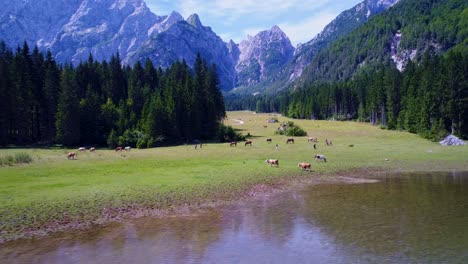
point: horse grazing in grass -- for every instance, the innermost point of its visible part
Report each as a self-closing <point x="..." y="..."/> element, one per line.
<point x="82" y="149"/>
<point x="248" y="142"/>
<point x="320" y="157"/>
<point x="268" y="140"/>
<point x="233" y="143"/>
<point x="118" y="149"/>
<point x="128" y="148"/>
<point x="290" y="140"/>
<point x="92" y="149"/>
<point x="71" y="155"/>
<point x="272" y="162"/>
<point x="304" y="166"/>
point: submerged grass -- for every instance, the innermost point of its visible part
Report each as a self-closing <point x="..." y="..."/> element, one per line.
<point x="52" y="190"/>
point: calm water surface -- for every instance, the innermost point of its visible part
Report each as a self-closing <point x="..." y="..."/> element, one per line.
<point x="419" y="218"/>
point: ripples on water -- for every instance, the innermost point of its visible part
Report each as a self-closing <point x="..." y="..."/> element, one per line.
<point x="420" y="218"/>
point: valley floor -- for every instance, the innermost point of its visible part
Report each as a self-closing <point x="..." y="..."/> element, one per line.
<point x="53" y="193"/>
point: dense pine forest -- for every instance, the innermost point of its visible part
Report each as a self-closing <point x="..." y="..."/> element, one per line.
<point x="105" y="103"/>
<point x="429" y="98"/>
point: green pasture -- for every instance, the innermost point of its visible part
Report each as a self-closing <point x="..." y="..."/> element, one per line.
<point x="53" y="189"/>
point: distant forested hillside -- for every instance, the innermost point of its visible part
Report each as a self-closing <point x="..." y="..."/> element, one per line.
<point x="424" y="25"/>
<point x="430" y="98"/>
<point x="104" y="103"/>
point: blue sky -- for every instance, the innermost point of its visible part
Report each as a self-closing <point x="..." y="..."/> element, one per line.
<point x="301" y="20"/>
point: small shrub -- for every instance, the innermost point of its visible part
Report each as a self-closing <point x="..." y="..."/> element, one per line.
<point x="7" y="160"/>
<point x="295" y="132"/>
<point x="23" y="157"/>
<point x="290" y="129"/>
<point x="227" y="133"/>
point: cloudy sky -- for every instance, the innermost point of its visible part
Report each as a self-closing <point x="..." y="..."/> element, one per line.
<point x="301" y="20"/>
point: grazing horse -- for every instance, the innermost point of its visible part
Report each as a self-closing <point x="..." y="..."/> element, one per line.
<point x="320" y="157"/>
<point x="82" y="149"/>
<point x="272" y="162"/>
<point x="290" y="140"/>
<point x="118" y="149"/>
<point x="233" y="143"/>
<point x="92" y="149"/>
<point x="71" y="155"/>
<point x="304" y="166"/>
<point x="268" y="140"/>
<point x="248" y="142"/>
<point x="128" y="148"/>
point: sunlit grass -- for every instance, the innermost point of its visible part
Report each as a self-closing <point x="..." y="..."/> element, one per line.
<point x="53" y="188"/>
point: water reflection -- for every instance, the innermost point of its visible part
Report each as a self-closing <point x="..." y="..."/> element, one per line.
<point x="418" y="218"/>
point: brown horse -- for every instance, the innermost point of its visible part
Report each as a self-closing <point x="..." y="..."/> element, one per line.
<point x="268" y="140"/>
<point x="233" y="143"/>
<point x="248" y="142"/>
<point x="290" y="140"/>
<point x="118" y="149"/>
<point x="304" y="166"/>
<point x="71" y="155"/>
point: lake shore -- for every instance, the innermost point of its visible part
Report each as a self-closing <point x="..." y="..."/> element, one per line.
<point x="258" y="191"/>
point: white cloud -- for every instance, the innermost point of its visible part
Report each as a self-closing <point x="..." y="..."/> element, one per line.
<point x="233" y="9"/>
<point x="307" y="29"/>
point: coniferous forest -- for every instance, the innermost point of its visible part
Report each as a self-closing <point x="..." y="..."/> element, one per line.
<point x="105" y="103"/>
<point x="429" y="98"/>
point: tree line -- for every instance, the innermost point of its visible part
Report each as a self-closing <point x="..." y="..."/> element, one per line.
<point x="105" y="103"/>
<point x="429" y="98"/>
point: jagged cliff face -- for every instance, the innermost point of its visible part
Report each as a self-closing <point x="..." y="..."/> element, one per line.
<point x="182" y="41"/>
<point x="34" y="21"/>
<point x="103" y="28"/>
<point x="73" y="29"/>
<point x="262" y="56"/>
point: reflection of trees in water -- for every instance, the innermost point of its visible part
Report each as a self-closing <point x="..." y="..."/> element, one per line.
<point x="410" y="217"/>
<point x="272" y="219"/>
<point x="179" y="239"/>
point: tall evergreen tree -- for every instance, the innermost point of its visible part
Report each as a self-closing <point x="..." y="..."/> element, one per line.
<point x="68" y="112"/>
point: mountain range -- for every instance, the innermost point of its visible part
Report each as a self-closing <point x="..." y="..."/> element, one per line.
<point x="264" y="63"/>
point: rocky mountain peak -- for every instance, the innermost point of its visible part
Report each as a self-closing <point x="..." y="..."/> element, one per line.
<point x="233" y="50"/>
<point x="262" y="55"/>
<point x="194" y="20"/>
<point x="167" y="22"/>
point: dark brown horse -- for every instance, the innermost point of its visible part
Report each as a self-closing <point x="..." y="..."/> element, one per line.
<point x="290" y="140"/>
<point x="248" y="142"/>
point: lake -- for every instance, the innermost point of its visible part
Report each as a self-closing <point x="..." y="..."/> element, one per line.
<point x="405" y="218"/>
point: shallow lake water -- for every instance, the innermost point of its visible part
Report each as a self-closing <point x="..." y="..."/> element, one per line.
<point x="417" y="218"/>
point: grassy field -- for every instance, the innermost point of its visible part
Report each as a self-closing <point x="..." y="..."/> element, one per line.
<point x="54" y="191"/>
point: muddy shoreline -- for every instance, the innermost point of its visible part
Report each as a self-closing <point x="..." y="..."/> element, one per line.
<point x="263" y="190"/>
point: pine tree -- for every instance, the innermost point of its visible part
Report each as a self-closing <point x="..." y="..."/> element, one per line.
<point x="50" y="94"/>
<point x="68" y="113"/>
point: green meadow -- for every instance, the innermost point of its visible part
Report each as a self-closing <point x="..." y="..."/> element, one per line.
<point x="52" y="191"/>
